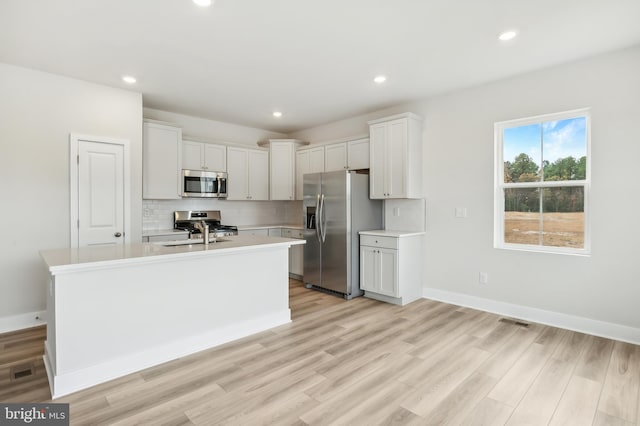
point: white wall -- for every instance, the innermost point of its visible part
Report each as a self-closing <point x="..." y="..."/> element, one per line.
<point x="38" y="111"/>
<point x="458" y="172"/>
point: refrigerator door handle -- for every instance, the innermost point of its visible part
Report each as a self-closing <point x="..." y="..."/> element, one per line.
<point x="323" y="219"/>
<point x="317" y="218"/>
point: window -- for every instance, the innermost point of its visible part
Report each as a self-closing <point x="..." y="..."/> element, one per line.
<point x="542" y="183"/>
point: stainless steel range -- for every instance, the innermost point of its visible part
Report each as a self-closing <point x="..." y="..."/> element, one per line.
<point x="189" y="220"/>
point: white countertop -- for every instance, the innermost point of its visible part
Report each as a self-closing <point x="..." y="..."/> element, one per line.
<point x="387" y="233"/>
<point x="89" y="258"/>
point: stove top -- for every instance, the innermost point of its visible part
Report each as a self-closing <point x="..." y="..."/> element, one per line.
<point x="186" y="220"/>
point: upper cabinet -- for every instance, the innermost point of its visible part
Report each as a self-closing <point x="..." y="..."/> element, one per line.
<point x="282" y="168"/>
<point x="358" y="154"/>
<point x="161" y="161"/>
<point x="335" y="157"/>
<point x="204" y="156"/>
<point x="395" y="157"/>
<point x="282" y="163"/>
<point x="308" y="160"/>
<point x="248" y="174"/>
<point x="352" y="155"/>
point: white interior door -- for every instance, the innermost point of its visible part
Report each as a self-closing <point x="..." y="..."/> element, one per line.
<point x="101" y="193"/>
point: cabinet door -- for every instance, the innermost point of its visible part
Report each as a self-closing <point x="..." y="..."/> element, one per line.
<point x="316" y="160"/>
<point x="388" y="272"/>
<point x="296" y="260"/>
<point x="192" y="153"/>
<point x="162" y="162"/>
<point x="377" y="156"/>
<point x="215" y="157"/>
<point x="335" y="157"/>
<point x="258" y="175"/>
<point x="238" y="173"/>
<point x="302" y="167"/>
<point x="282" y="171"/>
<point x="368" y="268"/>
<point x="396" y="165"/>
<point x="358" y="154"/>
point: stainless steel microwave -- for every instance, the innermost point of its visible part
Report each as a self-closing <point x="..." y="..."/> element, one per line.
<point x="198" y="184"/>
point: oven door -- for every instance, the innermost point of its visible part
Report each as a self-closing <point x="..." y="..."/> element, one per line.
<point x="197" y="183"/>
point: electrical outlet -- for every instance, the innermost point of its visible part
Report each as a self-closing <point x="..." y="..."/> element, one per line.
<point x="483" y="278"/>
<point x="396" y="211"/>
<point x="147" y="213"/>
<point x="461" y="212"/>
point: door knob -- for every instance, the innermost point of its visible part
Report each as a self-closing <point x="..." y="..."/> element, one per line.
<point x="117" y="234"/>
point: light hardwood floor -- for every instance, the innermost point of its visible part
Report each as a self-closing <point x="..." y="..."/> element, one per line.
<point x="363" y="362"/>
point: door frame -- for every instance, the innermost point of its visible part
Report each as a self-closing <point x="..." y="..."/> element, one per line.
<point x="74" y="141"/>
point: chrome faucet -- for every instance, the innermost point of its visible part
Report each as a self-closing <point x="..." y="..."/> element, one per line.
<point x="203" y="227"/>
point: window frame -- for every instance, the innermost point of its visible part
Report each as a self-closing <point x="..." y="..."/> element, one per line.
<point x="500" y="185"/>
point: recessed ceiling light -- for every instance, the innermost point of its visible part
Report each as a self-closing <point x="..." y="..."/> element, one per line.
<point x="507" y="35"/>
<point x="129" y="79"/>
<point x="380" y="79"/>
<point x="277" y="114"/>
<point x="203" y="3"/>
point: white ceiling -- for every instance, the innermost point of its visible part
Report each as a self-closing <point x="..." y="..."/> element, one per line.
<point x="239" y="60"/>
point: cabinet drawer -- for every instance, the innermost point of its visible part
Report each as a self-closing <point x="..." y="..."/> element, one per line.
<point x="253" y="232"/>
<point x="292" y="233"/>
<point x="378" y="241"/>
<point x="275" y="232"/>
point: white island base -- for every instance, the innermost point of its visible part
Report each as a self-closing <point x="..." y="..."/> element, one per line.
<point x="113" y="311"/>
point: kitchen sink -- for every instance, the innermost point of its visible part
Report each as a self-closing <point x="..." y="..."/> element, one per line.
<point x="197" y="242"/>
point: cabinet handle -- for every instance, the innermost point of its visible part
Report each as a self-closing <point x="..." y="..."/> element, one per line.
<point x="117" y="235"/>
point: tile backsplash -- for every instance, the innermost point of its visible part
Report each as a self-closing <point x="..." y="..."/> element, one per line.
<point x="158" y="214"/>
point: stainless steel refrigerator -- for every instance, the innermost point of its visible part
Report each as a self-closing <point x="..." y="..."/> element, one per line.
<point x="336" y="207"/>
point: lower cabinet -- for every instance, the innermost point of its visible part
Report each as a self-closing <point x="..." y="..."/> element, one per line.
<point x="258" y="231"/>
<point x="296" y="253"/>
<point x="379" y="270"/>
<point x="390" y="266"/>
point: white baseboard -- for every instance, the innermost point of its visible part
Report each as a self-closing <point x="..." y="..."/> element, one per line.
<point x="583" y="325"/>
<point x="65" y="383"/>
<point x="22" y="321"/>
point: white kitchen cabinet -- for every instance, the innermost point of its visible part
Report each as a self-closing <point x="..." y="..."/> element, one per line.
<point x="204" y="156"/>
<point x="282" y="167"/>
<point x="396" y="157"/>
<point x="161" y="161"/>
<point x="335" y="157"/>
<point x="352" y="155"/>
<point x="296" y="253"/>
<point x="257" y="231"/>
<point x="248" y="174"/>
<point x="390" y="266"/>
<point x="358" y="154"/>
<point x="309" y="160"/>
<point x="275" y="232"/>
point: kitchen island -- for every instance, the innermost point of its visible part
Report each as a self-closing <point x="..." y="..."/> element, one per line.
<point x="114" y="310"/>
